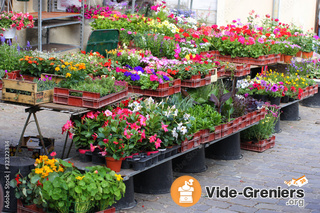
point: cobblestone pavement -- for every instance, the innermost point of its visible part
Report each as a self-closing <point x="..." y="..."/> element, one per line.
<point x="296" y="153"/>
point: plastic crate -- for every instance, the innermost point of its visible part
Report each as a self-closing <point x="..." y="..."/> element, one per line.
<point x="259" y="146"/>
<point x="88" y="99"/>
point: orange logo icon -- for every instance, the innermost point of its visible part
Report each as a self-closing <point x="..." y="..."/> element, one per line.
<point x="185" y="191"/>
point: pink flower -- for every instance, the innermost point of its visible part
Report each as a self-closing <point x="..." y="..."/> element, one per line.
<point x="143" y="120"/>
<point x="164" y="127"/>
<point x="108" y="113"/>
<point x="94" y="135"/>
<point x="90" y="115"/>
<point x="129" y="32"/>
<point x="115" y="142"/>
<point x="158" y="143"/>
<point x="67" y="126"/>
<point x="52" y="154"/>
<point x="153" y="138"/>
<point x="122" y="29"/>
<point x="143" y="134"/>
<point x="70" y="134"/>
<point x="261" y="40"/>
<point x="153" y="78"/>
<point x="92" y="147"/>
<point x="106" y="140"/>
<point x="103" y="153"/>
<point x="126" y="134"/>
<point x="96" y="171"/>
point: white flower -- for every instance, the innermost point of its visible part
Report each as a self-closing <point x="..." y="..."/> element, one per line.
<point x="166" y="113"/>
<point x="186" y="116"/>
<point x="184" y="130"/>
<point x="179" y="126"/>
<point x="174" y="133"/>
<point x="175" y="113"/>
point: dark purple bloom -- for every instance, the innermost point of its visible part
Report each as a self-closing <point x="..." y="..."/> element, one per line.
<point x="128" y="66"/>
<point x="127" y="73"/>
<point x="166" y="78"/>
<point x="135" y="77"/>
<point x="138" y="68"/>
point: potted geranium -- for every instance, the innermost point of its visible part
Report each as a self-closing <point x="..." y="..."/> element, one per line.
<point x="11" y="21"/>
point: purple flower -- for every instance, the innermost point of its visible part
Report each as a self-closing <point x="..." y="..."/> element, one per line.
<point x="246" y="95"/>
<point x="127" y="74"/>
<point x="160" y="81"/>
<point x="274" y="88"/>
<point x="138" y="68"/>
<point x="135" y="77"/>
<point x="263" y="83"/>
<point x="129" y="66"/>
<point x="166" y="78"/>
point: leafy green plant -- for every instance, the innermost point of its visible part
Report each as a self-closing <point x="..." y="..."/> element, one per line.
<point x="45" y="84"/>
<point x="205" y="117"/>
<point x="265" y="128"/>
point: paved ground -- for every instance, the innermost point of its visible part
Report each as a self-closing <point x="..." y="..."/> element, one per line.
<point x="297" y="153"/>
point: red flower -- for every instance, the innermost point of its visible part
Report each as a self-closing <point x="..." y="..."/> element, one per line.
<point x="205" y="40"/>
<point x="224" y="38"/>
<point x="17" y="179"/>
<point x="186" y="35"/>
<point x="195" y="36"/>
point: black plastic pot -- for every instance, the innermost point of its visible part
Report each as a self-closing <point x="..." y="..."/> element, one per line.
<point x="156" y="180"/>
<point x="290" y="113"/>
<point x="126" y="163"/>
<point x="9" y="167"/>
<point x="226" y="149"/>
<point x="313" y="101"/>
<point x="127" y="201"/>
<point x="277" y="126"/>
<point x="285" y="99"/>
<point x="162" y="154"/>
<point x="85" y="157"/>
<point x="98" y="159"/>
<point x="274" y="101"/>
<point x="192" y="162"/>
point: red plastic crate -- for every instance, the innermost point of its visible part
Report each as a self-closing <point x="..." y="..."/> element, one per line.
<point x="260" y="146"/>
<point x="61" y="96"/>
<point x="176" y="88"/>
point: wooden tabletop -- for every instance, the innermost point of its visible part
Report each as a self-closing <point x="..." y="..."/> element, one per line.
<point x="52" y="15"/>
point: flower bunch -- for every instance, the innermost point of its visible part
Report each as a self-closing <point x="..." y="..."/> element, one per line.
<point x="44" y="166"/>
<point x="90" y="11"/>
<point x="9" y="20"/>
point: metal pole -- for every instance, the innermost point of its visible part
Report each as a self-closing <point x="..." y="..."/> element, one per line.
<point x="191" y="2"/>
<point x="65" y="144"/>
<point x="178" y="5"/>
<point x="133" y="6"/>
<point x="40" y="25"/>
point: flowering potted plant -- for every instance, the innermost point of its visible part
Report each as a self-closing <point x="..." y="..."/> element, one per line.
<point x="13" y="20"/>
<point x="259" y="137"/>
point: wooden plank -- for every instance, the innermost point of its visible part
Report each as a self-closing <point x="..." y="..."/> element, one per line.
<point x="60" y="107"/>
<point x="50" y="15"/>
<point x="28" y="86"/>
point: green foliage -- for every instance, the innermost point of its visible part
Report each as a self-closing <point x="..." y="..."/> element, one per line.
<point x="10" y="55"/>
<point x="45" y="84"/>
<point x="265" y="128"/>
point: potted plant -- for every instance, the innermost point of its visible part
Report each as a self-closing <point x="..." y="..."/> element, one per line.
<point x="255" y="137"/>
<point x="11" y="21"/>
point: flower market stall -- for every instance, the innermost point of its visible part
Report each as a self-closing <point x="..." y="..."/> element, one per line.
<point x="171" y="88"/>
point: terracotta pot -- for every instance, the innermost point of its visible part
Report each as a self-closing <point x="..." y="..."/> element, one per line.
<point x="114" y="164"/>
<point x="307" y="54"/>
<point x="287" y="58"/>
<point x="299" y="54"/>
<point x="281" y="57"/>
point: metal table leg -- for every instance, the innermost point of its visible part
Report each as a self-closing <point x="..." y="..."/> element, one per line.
<point x="40" y="135"/>
<point x="64" y="146"/>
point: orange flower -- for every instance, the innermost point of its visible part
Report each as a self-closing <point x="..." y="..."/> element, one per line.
<point x="30" y="62"/>
<point x="52" y="64"/>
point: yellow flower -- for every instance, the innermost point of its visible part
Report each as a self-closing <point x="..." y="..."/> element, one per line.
<point x="57" y="69"/>
<point x="118" y="177"/>
<point x="43" y="157"/>
<point x="62" y="66"/>
<point x="68" y="75"/>
<point x="79" y="178"/>
<point x="67" y="63"/>
<point x="60" y="169"/>
<point x="38" y="170"/>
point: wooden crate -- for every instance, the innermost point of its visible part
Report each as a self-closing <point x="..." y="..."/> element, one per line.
<point x="24" y="92"/>
<point x="55" y="78"/>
